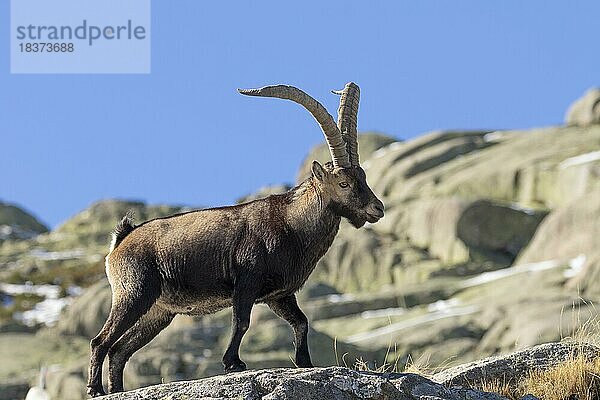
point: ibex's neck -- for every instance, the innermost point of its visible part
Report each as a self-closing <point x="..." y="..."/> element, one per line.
<point x="309" y="212"/>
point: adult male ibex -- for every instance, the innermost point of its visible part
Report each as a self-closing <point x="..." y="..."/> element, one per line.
<point x="263" y="251"/>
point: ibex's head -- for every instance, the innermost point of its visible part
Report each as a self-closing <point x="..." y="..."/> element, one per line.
<point x="342" y="181"/>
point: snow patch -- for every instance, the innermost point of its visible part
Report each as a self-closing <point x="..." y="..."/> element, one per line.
<point x="517" y="207"/>
<point x="443" y="305"/>
<point x="45" y="312"/>
<point x="47" y="291"/>
<point x="492" y="137"/>
<point x="340" y="298"/>
<point x="46" y="255"/>
<point x="448" y="312"/>
<point x="575" y="266"/>
<point x="580" y="159"/>
<point x="15" y="232"/>
<point x="74" y="291"/>
<point x="386" y="149"/>
<point x="492" y="276"/>
<point x="383" y="312"/>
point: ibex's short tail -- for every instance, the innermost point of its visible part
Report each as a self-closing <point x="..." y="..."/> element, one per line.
<point x="123" y="228"/>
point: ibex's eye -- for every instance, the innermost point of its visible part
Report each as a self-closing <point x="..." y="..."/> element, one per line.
<point x="344" y="184"/>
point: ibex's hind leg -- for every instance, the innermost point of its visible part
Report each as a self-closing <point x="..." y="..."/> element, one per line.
<point x="126" y="309"/>
<point x="146" y="329"/>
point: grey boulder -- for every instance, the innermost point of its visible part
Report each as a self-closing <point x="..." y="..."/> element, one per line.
<point x="314" y="383"/>
<point x="512" y="367"/>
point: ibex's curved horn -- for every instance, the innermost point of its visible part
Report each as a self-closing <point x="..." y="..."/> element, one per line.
<point x="337" y="145"/>
<point x="347" y="115"/>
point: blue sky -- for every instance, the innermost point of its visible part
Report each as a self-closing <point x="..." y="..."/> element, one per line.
<point x="183" y="135"/>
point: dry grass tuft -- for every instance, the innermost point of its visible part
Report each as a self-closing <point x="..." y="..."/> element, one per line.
<point x="385" y="366"/>
<point x="576" y="378"/>
<point x="420" y="367"/>
<point x="500" y="387"/>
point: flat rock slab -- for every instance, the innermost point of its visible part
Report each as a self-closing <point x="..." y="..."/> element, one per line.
<point x="514" y="366"/>
<point x="312" y="383"/>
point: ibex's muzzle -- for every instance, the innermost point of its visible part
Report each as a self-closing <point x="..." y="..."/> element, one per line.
<point x="375" y="211"/>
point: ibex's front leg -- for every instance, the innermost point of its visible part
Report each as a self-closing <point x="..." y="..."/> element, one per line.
<point x="287" y="309"/>
<point x="244" y="295"/>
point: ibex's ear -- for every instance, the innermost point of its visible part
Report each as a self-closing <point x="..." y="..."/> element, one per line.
<point x="318" y="171"/>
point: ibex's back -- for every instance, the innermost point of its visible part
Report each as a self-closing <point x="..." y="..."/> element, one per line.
<point x="262" y="251"/>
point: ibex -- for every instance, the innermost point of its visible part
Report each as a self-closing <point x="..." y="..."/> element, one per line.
<point x="263" y="251"/>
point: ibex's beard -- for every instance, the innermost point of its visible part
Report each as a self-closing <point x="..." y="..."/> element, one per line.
<point x="357" y="217"/>
<point x="357" y="222"/>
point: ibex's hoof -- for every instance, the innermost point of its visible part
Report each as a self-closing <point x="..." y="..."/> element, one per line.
<point x="304" y="364"/>
<point x="95" y="391"/>
<point x="236" y="367"/>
